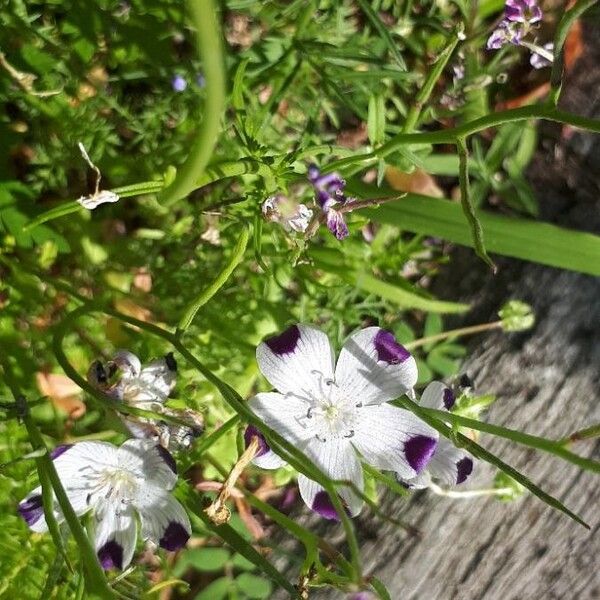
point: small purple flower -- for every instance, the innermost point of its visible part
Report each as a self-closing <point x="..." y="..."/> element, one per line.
<point x="522" y="11"/>
<point x="506" y="33"/>
<point x="200" y="81"/>
<point x="329" y="192"/>
<point x="178" y="83"/>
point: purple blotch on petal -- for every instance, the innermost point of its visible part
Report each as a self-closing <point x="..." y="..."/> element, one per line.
<point x="171" y="362"/>
<point x="167" y="457"/>
<point x="284" y="343"/>
<point x="388" y="349"/>
<point x="464" y="467"/>
<point x="111" y="555"/>
<point x="449" y="398"/>
<point x="251" y="432"/>
<point x="174" y="537"/>
<point x="31" y="509"/>
<point x="419" y="450"/>
<point x="322" y="504"/>
<point x="59" y="450"/>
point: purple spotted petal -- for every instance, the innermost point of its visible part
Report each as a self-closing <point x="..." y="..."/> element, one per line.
<point x="388" y="349"/>
<point x="175" y="536"/>
<point x="464" y="467"/>
<point x="449" y="398"/>
<point x="111" y="555"/>
<point x="336" y="224"/>
<point x="322" y="504"/>
<point x="60" y="450"/>
<point x="251" y="432"/>
<point x="31" y="509"/>
<point x="419" y="450"/>
<point x="167" y="457"/>
<point x="284" y="343"/>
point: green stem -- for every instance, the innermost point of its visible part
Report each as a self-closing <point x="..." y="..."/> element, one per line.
<point x="555" y="447"/>
<point x="560" y="37"/>
<point x="453" y="333"/>
<point x="203" y="14"/>
<point x="216" y="285"/>
<point x="96" y="579"/>
<point x="449" y="136"/>
<point x="423" y="96"/>
<point x="467" y="205"/>
<point x="583" y="434"/>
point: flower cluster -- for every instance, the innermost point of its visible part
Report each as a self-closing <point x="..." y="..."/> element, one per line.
<point x="519" y="18"/>
<point x="125" y="380"/>
<point x="114" y="484"/>
<point x="329" y="195"/>
<point x="340" y="413"/>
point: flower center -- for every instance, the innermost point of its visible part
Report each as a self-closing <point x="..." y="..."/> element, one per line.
<point x="330" y="414"/>
<point x="116" y="484"/>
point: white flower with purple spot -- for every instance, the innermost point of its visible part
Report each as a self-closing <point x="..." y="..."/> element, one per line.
<point x="334" y="412"/>
<point x="543" y="57"/>
<point x="115" y="484"/>
<point x="329" y="193"/>
<point x="449" y="465"/>
<point x="147" y="387"/>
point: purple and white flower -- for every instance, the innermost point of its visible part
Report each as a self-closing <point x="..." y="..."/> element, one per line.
<point x="115" y="484"/>
<point x="520" y="16"/>
<point x="522" y="11"/>
<point x="123" y="378"/>
<point x="289" y="214"/>
<point x="449" y="465"/>
<point x="147" y="387"/>
<point x="329" y="193"/>
<point x="334" y="412"/>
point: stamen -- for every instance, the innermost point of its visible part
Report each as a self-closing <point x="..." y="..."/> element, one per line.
<point x="350" y="434"/>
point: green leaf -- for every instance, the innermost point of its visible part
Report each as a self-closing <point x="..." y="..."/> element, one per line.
<point x="376" y="119"/>
<point x="217" y="590"/>
<point x="520" y="238"/>
<point x="253" y="586"/>
<point x="206" y="559"/>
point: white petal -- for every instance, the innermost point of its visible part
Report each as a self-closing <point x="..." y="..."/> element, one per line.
<point x="81" y="463"/>
<point x="154" y="384"/>
<point x="102" y="197"/>
<point x="148" y="461"/>
<point x="164" y="521"/>
<point x="437" y="395"/>
<point x="450" y="465"/>
<point x="374" y="368"/>
<point x="269" y="460"/>
<point x="299" y="360"/>
<point x="420" y="482"/>
<point x="115" y="535"/>
<point x="394" y="439"/>
<point x="338" y="460"/>
<point x="285" y="414"/>
<point x="128" y="363"/>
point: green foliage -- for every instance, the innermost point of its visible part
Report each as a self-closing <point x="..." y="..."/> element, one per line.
<point x="357" y="87"/>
